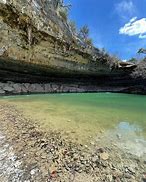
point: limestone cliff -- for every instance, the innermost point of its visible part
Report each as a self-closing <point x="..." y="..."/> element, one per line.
<point x="37" y="45"/>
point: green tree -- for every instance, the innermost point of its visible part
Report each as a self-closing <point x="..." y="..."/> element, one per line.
<point x="84" y="32"/>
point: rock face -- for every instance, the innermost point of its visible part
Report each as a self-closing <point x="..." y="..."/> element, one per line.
<point x="38" y="46"/>
<point x="36" y="40"/>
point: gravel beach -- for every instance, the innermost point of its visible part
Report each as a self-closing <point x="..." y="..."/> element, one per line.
<point x="29" y="154"/>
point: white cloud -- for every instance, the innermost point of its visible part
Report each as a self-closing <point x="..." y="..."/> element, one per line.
<point x="125" y="8"/>
<point x="142" y="36"/>
<point x="133" y="19"/>
<point x="135" y="27"/>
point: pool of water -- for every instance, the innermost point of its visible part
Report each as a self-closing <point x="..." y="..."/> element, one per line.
<point x="83" y="116"/>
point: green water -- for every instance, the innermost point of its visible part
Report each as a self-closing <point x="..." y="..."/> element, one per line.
<point x="85" y="115"/>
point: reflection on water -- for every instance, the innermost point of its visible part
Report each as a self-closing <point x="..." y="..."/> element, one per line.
<point x="85" y="115"/>
<point x="127" y="127"/>
<point x="129" y="138"/>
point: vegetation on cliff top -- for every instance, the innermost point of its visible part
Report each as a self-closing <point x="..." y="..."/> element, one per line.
<point x="83" y="35"/>
<point x="65" y="31"/>
<point x="140" y="70"/>
<point x="83" y="38"/>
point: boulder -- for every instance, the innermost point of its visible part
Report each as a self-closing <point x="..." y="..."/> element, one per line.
<point x="26" y="86"/>
<point x="32" y="88"/>
<point x="8" y="88"/>
<point x="2" y="92"/>
<point x="1" y="85"/>
<point x="24" y="89"/>
<point x="47" y="88"/>
<point x="55" y="87"/>
<point x="17" y="88"/>
<point x="39" y="88"/>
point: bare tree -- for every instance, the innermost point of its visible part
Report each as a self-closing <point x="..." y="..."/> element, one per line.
<point x="60" y="3"/>
<point x="84" y="32"/>
<point x="142" y="50"/>
<point x="84" y="36"/>
<point x="140" y="70"/>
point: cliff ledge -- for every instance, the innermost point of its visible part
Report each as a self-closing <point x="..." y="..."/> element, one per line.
<point x="37" y="45"/>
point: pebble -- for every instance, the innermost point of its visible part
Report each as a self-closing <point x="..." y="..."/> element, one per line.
<point x="109" y="178"/>
<point x="61" y="158"/>
<point x="33" y="171"/>
<point x="131" y="170"/>
<point x="92" y="143"/>
<point x="119" y="136"/>
<point x="104" y="156"/>
<point x="95" y="159"/>
<point x="128" y="176"/>
<point x="43" y="156"/>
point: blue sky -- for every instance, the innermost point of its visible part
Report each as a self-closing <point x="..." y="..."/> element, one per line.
<point x="119" y="26"/>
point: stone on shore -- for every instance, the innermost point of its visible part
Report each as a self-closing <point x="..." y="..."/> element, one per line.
<point x="104" y="156"/>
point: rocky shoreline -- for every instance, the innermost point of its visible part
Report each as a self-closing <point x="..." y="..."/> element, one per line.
<point x="52" y="156"/>
<point x="11" y="88"/>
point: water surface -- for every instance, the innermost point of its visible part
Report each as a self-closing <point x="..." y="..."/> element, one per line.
<point x="83" y="116"/>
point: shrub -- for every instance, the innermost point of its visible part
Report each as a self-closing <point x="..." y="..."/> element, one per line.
<point x="63" y="12"/>
<point x="72" y="25"/>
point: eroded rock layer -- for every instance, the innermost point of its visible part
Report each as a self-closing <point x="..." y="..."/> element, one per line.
<point x="37" y="45"/>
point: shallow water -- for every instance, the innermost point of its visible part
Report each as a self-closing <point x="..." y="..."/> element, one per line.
<point x="83" y="116"/>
